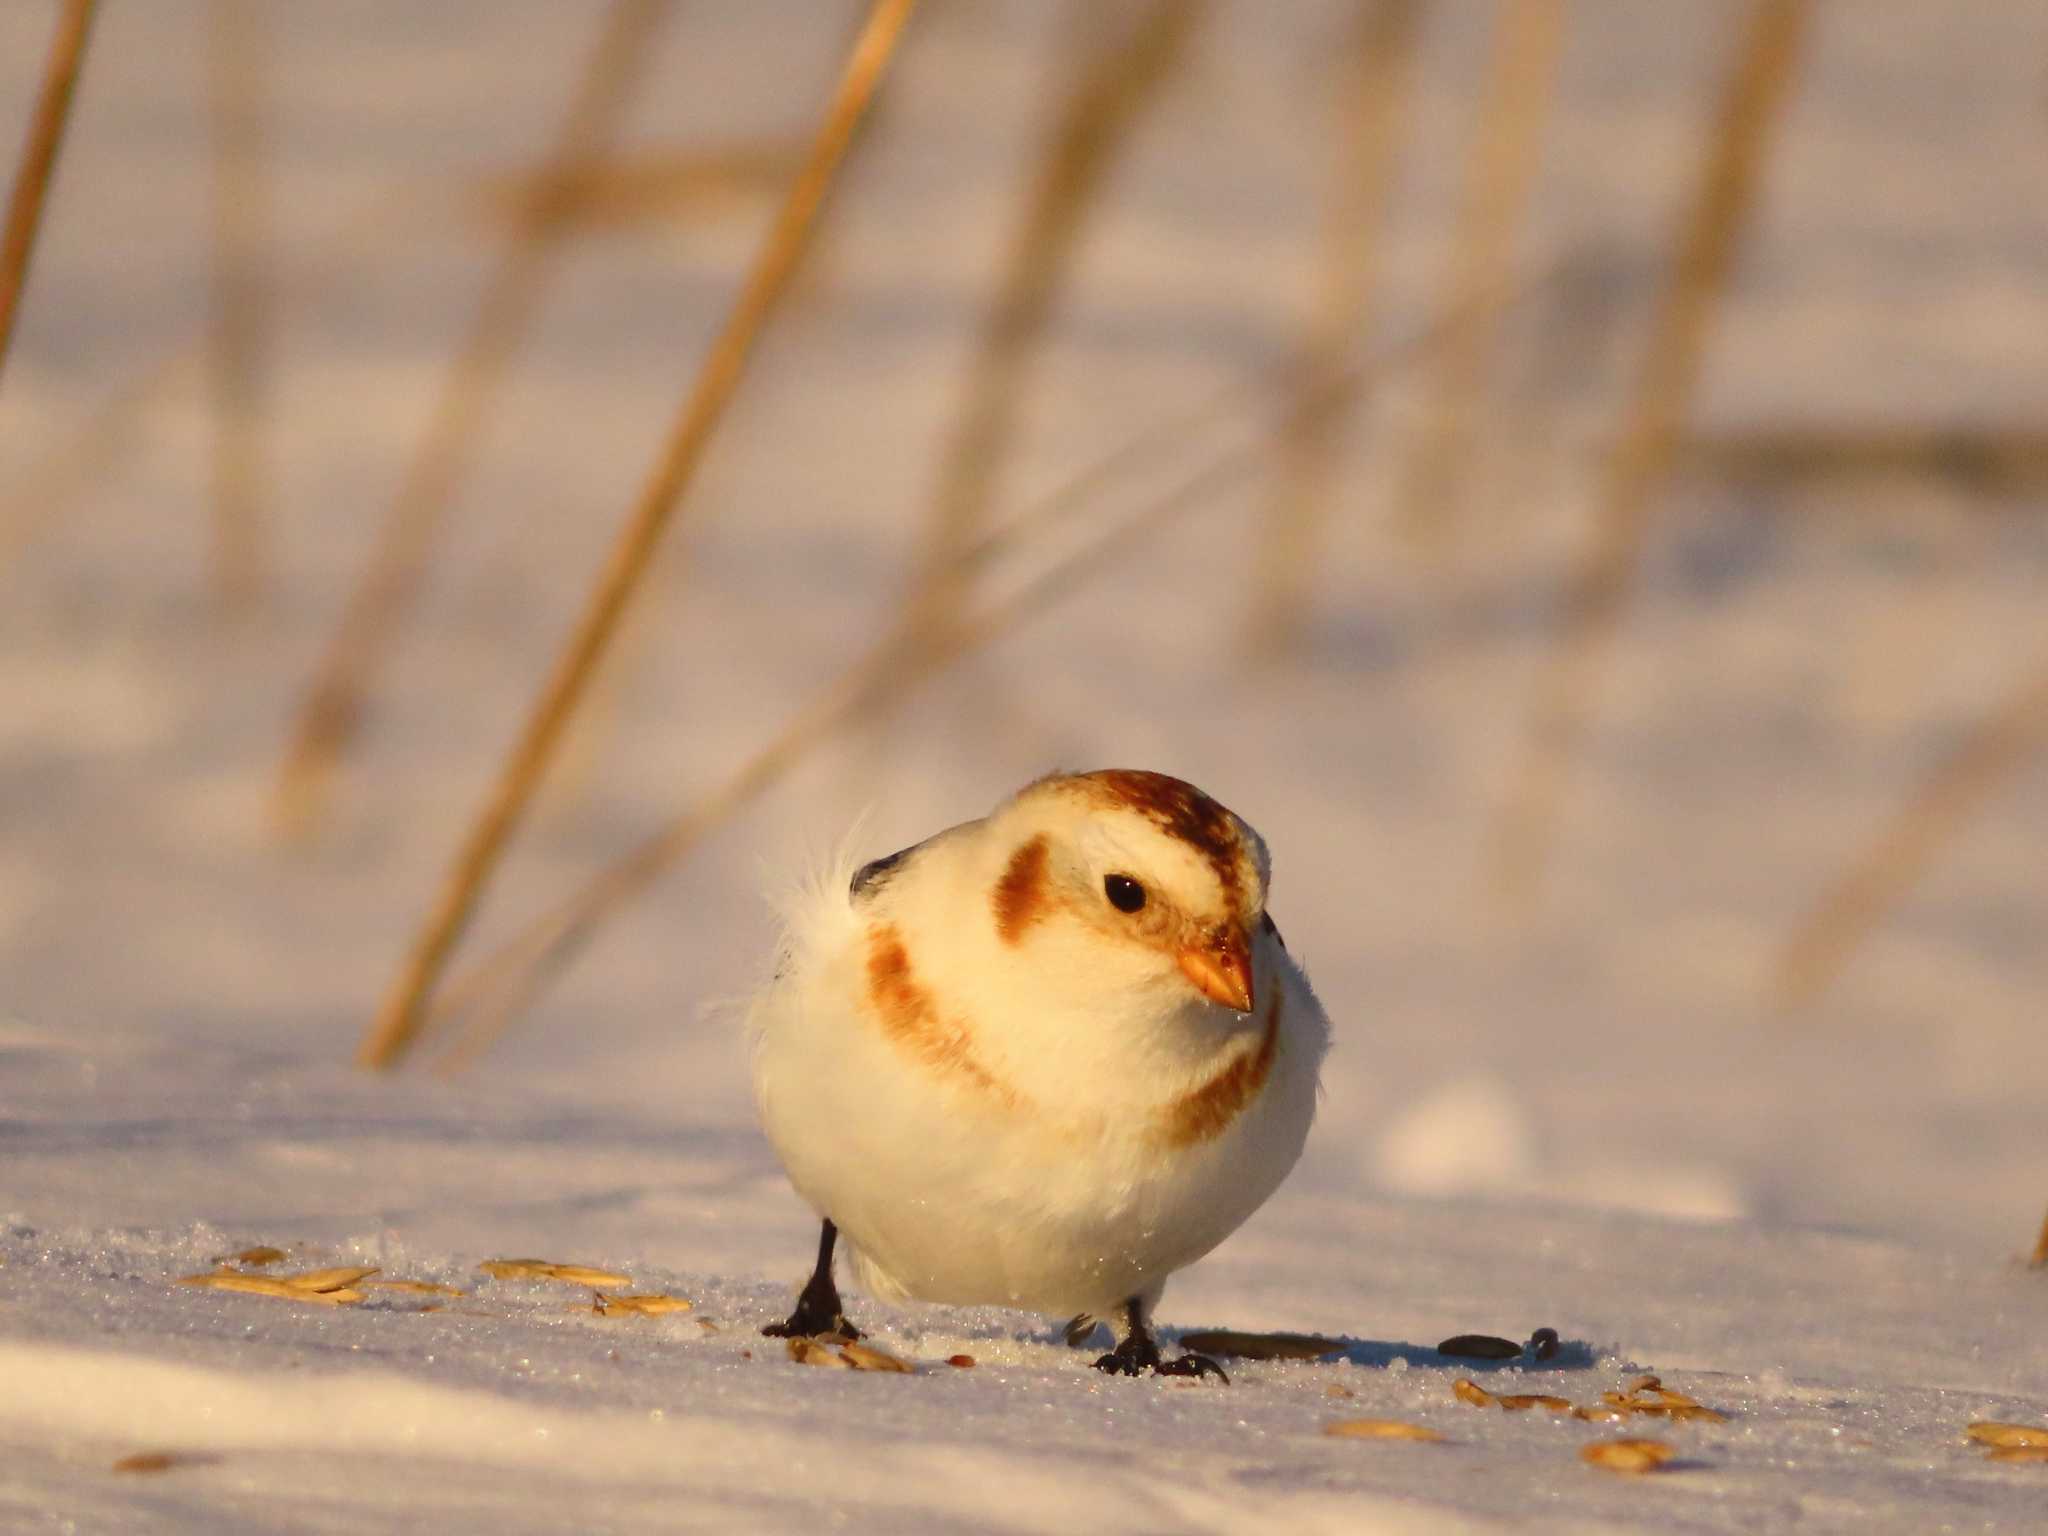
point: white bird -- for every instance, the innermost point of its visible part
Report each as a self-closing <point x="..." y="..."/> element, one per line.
<point x="1041" y="1060"/>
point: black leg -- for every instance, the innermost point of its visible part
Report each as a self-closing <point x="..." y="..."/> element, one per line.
<point x="1139" y="1351"/>
<point x="817" y="1309"/>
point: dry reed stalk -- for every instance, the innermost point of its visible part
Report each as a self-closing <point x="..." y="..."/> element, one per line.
<point x="1376" y="91"/>
<point x="399" y="1018"/>
<point x="1994" y="460"/>
<point x="39" y="160"/>
<point x="239" y="334"/>
<point x="370" y="620"/>
<point x="495" y="989"/>
<point x="1856" y="900"/>
<point x="1506" y="152"/>
<point x="630" y="188"/>
<point x="1641" y="458"/>
<point x="1120" y="72"/>
<point x="615" y="190"/>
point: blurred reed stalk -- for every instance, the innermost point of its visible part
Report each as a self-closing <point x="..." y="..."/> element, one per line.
<point x="239" y="335"/>
<point x="1119" y="72"/>
<point x="332" y="710"/>
<point x="1856" y="900"/>
<point x="399" y="1018"/>
<point x="1987" y="460"/>
<point x="32" y="173"/>
<point x="1641" y="459"/>
<point x="1506" y="153"/>
<point x="1377" y="80"/>
<point x="494" y="990"/>
<point x="613" y="192"/>
<point x="2040" y="1258"/>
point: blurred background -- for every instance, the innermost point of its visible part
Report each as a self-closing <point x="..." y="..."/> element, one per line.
<point x="1571" y="474"/>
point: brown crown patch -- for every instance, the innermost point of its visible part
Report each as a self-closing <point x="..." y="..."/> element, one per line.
<point x="1020" y="895"/>
<point x="911" y="1018"/>
<point x="1181" y="811"/>
<point x="1204" y="1113"/>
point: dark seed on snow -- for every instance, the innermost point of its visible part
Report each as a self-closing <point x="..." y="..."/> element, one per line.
<point x="1543" y="1343"/>
<point x="1480" y="1346"/>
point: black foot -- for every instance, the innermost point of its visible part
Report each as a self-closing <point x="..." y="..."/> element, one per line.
<point x="1138" y="1354"/>
<point x="817" y="1309"/>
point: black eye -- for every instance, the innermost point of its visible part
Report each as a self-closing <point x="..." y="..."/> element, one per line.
<point x="1124" y="893"/>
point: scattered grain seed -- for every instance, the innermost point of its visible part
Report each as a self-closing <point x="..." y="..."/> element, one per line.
<point x="260" y="1256"/>
<point x="1471" y="1392"/>
<point x="1261" y="1346"/>
<point x="1599" y="1415"/>
<point x="542" y="1269"/>
<point x="1522" y="1400"/>
<point x="1990" y="1432"/>
<point x="811" y="1352"/>
<point x="2017" y="1453"/>
<point x="961" y="1362"/>
<point x="1627" y="1455"/>
<point x="263" y="1285"/>
<point x="1379" y="1429"/>
<point x="147" y="1461"/>
<point x="865" y="1357"/>
<point x="414" y="1287"/>
<point x="647" y="1305"/>
<point x="328" y="1279"/>
<point x="1479" y="1346"/>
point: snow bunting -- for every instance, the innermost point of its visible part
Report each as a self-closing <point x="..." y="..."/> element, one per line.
<point x="1040" y="1060"/>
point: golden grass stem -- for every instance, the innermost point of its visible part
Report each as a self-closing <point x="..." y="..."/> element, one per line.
<point x="1995" y="460"/>
<point x="1855" y="901"/>
<point x="497" y="988"/>
<point x="1376" y="87"/>
<point x="1637" y="467"/>
<point x="39" y="160"/>
<point x="1506" y="152"/>
<point x="371" y="618"/>
<point x="399" y="1018"/>
<point x="238" y="336"/>
<point x="1118" y="76"/>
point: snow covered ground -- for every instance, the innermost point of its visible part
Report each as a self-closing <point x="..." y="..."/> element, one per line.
<point x="1591" y="1116"/>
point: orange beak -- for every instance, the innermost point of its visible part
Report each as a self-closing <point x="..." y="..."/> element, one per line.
<point x="1221" y="970"/>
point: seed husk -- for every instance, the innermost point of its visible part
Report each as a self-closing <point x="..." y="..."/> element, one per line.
<point x="264" y="1285"/>
<point x="1471" y="1392"/>
<point x="161" y="1461"/>
<point x="415" y="1287"/>
<point x="1524" y="1400"/>
<point x="1262" y="1346"/>
<point x="2012" y="1436"/>
<point x="542" y="1269"/>
<point x="2017" y="1453"/>
<point x="1479" y="1346"/>
<point x="1379" y="1429"/>
<point x="261" y="1255"/>
<point x="811" y="1352"/>
<point x="1627" y="1455"/>
<point x="645" y="1305"/>
<point x="329" y="1279"/>
<point x="961" y="1362"/>
<point x="866" y="1357"/>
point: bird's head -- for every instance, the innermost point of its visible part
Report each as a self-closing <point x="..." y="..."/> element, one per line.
<point x="1138" y="879"/>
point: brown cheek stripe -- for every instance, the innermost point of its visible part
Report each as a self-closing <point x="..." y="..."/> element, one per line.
<point x="1206" y="1112"/>
<point x="1019" y="899"/>
<point x="910" y="1018"/>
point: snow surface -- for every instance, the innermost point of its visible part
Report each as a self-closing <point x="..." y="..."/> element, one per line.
<point x="1590" y="1116"/>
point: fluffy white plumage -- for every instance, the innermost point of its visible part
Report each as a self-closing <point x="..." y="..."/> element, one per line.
<point x="1004" y="1087"/>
